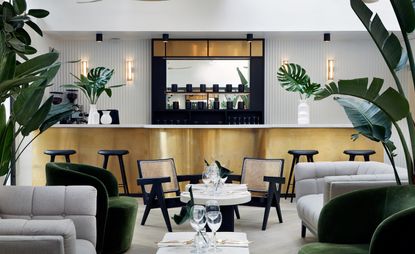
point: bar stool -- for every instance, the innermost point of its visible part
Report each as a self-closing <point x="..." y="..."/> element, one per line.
<point x="353" y="153"/>
<point x="54" y="153"/>
<point x="119" y="154"/>
<point x="296" y="158"/>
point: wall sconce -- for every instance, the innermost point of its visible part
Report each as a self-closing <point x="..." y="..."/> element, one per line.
<point x="284" y="62"/>
<point x="330" y="69"/>
<point x="129" y="70"/>
<point x="84" y="68"/>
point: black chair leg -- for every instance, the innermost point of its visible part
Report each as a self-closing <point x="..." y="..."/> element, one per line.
<point x="236" y="209"/>
<point x="266" y="214"/>
<point x="163" y="208"/>
<point x="289" y="178"/>
<point x="123" y="175"/>
<point x="106" y="157"/>
<point x="52" y="158"/>
<point x="303" y="231"/>
<point x="68" y="160"/>
<point x="145" y="215"/>
<point x="296" y="160"/>
<point x="279" y="212"/>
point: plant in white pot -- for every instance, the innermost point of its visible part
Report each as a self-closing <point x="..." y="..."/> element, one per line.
<point x="294" y="78"/>
<point x="93" y="85"/>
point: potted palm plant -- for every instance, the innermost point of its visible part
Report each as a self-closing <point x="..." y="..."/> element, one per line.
<point x="294" y="78"/>
<point x="23" y="81"/>
<point x="93" y="86"/>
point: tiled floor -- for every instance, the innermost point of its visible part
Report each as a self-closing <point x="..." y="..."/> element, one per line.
<point x="279" y="238"/>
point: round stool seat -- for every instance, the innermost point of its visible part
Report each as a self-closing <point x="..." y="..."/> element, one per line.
<point x="113" y="152"/>
<point x="60" y="152"/>
<point x="359" y="152"/>
<point x="303" y="152"/>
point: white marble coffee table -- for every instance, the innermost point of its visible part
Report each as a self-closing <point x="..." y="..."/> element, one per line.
<point x="180" y="243"/>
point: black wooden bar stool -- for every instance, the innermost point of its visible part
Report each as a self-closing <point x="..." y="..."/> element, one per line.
<point x="54" y="153"/>
<point x="296" y="158"/>
<point x="353" y="153"/>
<point x="119" y="154"/>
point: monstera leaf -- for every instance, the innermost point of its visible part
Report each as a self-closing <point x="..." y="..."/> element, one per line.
<point x="292" y="77"/>
<point x="391" y="101"/>
<point x="100" y="75"/>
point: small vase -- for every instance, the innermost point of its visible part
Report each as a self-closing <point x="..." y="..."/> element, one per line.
<point x="303" y="112"/>
<point x="93" y="117"/>
<point x="106" y="117"/>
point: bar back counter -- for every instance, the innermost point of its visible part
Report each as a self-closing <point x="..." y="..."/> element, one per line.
<point x="189" y="145"/>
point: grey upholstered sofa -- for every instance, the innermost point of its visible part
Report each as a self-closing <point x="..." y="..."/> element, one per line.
<point x="47" y="220"/>
<point x="319" y="182"/>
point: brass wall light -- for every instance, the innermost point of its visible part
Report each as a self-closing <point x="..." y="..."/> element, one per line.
<point x="330" y="69"/>
<point x="84" y="67"/>
<point x="129" y="70"/>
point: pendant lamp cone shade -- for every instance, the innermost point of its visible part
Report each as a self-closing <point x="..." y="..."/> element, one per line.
<point x="99" y="37"/>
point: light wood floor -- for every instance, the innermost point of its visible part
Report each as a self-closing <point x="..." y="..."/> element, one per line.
<point x="279" y="238"/>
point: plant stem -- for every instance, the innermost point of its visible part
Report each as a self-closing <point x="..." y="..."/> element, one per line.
<point x="409" y="162"/>
<point x="392" y="160"/>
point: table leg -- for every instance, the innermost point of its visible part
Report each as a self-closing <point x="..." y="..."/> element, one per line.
<point x="228" y="218"/>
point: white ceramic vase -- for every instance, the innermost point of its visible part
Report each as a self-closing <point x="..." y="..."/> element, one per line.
<point x="303" y="112"/>
<point x="106" y="117"/>
<point x="93" y="117"/>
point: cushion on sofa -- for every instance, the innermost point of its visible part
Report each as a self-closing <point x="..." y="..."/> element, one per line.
<point x="309" y="208"/>
<point x="85" y="247"/>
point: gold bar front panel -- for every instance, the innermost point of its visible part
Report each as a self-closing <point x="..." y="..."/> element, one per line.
<point x="189" y="147"/>
<point x="158" y="48"/>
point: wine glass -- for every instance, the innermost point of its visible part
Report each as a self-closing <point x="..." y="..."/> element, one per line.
<point x="198" y="222"/>
<point x="206" y="177"/>
<point x="214" y="225"/>
<point x="212" y="209"/>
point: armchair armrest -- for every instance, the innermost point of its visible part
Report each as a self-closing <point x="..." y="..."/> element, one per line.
<point x="389" y="236"/>
<point x="156" y="180"/>
<point x="274" y="179"/>
<point x="193" y="179"/>
<point x="11" y="230"/>
<point x="352" y="218"/>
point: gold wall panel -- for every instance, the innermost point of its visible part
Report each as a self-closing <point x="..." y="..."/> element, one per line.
<point x="158" y="48"/>
<point x="187" y="48"/>
<point x="257" y="48"/>
<point x="228" y="48"/>
<point x="189" y="147"/>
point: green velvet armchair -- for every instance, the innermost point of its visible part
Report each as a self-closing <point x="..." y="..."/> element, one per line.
<point x="375" y="221"/>
<point x="116" y="214"/>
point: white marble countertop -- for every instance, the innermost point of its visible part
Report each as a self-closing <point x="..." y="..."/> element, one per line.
<point x="167" y="126"/>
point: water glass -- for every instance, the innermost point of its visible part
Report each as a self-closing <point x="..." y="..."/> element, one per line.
<point x="212" y="209"/>
<point x="214" y="225"/>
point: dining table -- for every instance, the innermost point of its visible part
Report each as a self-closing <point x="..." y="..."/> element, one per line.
<point x="228" y="196"/>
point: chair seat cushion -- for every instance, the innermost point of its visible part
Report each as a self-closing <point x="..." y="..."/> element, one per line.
<point x="84" y="247"/>
<point x="309" y="208"/>
<point x="330" y="248"/>
<point x="122" y="213"/>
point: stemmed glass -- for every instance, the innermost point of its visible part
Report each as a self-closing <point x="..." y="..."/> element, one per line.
<point x="214" y="224"/>
<point x="206" y="177"/>
<point x="198" y="223"/>
<point x="212" y="209"/>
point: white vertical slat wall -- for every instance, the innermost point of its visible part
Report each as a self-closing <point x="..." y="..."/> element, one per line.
<point x="132" y="100"/>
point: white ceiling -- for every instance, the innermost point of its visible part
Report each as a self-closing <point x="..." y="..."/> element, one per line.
<point x="207" y="16"/>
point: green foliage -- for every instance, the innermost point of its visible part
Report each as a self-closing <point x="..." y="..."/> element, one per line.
<point x="25" y="81"/>
<point x="94" y="84"/>
<point x="294" y="78"/>
<point x="186" y="211"/>
<point x="223" y="172"/>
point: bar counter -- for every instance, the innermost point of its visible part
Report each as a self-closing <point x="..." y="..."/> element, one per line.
<point x="189" y="145"/>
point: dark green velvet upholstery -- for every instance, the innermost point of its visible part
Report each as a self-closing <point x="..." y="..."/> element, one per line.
<point x="115" y="215"/>
<point x="376" y="218"/>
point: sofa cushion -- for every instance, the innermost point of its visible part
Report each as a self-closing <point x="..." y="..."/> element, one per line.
<point x="329" y="248"/>
<point x="309" y="208"/>
<point x="84" y="247"/>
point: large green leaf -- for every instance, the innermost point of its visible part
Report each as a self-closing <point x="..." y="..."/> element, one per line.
<point x="38" y="13"/>
<point x="3" y="120"/>
<point x="57" y="113"/>
<point x="36" y="63"/>
<point x="242" y="77"/>
<point x="388" y="44"/>
<point x="100" y="75"/>
<point x="292" y="77"/>
<point x="19" y="6"/>
<point x="27" y="103"/>
<point x="38" y="117"/>
<point x="7" y="66"/>
<point x="35" y="27"/>
<point x="11" y="83"/>
<point x="6" y="141"/>
<point x="405" y="13"/>
<point x="391" y="102"/>
<point x="367" y="118"/>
